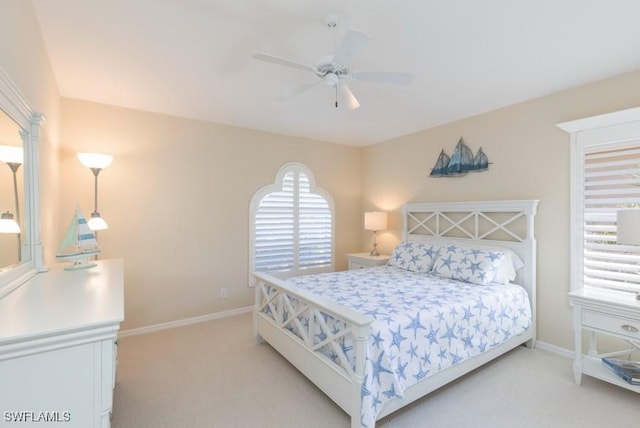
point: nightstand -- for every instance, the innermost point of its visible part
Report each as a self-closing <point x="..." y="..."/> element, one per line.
<point x="613" y="313"/>
<point x="365" y="260"/>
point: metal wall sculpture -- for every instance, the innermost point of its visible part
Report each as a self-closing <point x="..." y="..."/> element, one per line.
<point x="460" y="163"/>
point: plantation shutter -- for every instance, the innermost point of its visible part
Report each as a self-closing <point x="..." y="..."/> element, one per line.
<point x="611" y="181"/>
<point x="274" y="229"/>
<point x="315" y="228"/>
<point x="293" y="226"/>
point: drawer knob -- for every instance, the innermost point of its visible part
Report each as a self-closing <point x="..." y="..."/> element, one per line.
<point x="629" y="328"/>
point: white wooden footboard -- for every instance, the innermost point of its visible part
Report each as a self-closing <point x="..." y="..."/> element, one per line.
<point x="279" y="307"/>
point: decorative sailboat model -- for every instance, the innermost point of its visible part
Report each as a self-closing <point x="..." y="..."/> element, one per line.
<point x="79" y="244"/>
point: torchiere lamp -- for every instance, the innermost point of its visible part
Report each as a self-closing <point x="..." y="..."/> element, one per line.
<point x="96" y="162"/>
<point x="13" y="156"/>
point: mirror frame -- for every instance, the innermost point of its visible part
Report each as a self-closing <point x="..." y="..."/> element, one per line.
<point x="15" y="105"/>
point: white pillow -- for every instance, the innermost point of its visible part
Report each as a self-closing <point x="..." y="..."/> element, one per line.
<point x="476" y="265"/>
<point x="507" y="270"/>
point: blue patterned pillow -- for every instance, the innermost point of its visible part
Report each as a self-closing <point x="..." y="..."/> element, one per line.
<point x="414" y="256"/>
<point x="468" y="264"/>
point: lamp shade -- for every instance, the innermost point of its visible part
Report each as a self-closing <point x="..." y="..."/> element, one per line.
<point x="96" y="222"/>
<point x="95" y="160"/>
<point x="8" y="224"/>
<point x="628" y="226"/>
<point x="11" y="154"/>
<point x="375" y="220"/>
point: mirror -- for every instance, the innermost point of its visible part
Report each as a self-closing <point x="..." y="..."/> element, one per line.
<point x="11" y="193"/>
<point x="21" y="254"/>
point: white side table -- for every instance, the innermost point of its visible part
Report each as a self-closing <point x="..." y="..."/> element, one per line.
<point x="608" y="312"/>
<point x="365" y="260"/>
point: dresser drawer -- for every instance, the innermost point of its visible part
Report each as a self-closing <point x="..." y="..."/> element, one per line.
<point x="610" y="323"/>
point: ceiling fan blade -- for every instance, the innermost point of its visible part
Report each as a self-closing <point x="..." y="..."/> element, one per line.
<point x="348" y="98"/>
<point x="282" y="61"/>
<point x="383" y="77"/>
<point x="352" y="44"/>
<point x="297" y="91"/>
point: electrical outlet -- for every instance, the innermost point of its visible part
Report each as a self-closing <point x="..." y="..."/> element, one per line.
<point x="224" y="293"/>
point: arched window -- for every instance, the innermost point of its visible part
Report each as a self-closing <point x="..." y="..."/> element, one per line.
<point x="291" y="225"/>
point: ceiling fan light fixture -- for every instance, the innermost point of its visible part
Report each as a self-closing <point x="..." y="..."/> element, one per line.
<point x="331" y="79"/>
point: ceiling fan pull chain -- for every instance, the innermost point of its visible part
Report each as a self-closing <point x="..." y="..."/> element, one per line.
<point x="336" y="95"/>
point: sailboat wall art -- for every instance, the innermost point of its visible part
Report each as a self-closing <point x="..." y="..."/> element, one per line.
<point x="78" y="244"/>
<point x="461" y="162"/>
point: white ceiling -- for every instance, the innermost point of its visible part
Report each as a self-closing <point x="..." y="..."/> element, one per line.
<point x="192" y="58"/>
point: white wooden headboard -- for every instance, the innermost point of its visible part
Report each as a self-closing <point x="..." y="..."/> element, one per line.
<point x="497" y="223"/>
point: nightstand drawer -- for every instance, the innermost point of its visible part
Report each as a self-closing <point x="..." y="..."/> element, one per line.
<point x="357" y="265"/>
<point x="365" y="260"/>
<point x="611" y="323"/>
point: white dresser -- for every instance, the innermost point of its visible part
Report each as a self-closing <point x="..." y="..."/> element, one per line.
<point x="58" y="347"/>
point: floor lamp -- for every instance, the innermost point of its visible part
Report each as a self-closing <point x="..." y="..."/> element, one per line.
<point x="96" y="162"/>
<point x="13" y="156"/>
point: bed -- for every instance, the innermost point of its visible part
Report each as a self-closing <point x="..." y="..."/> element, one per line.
<point x="377" y="339"/>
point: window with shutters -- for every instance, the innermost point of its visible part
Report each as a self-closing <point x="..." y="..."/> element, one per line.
<point x="605" y="179"/>
<point x="291" y="225"/>
<point x="611" y="182"/>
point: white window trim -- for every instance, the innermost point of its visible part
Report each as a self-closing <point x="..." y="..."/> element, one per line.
<point x="277" y="186"/>
<point x="589" y="134"/>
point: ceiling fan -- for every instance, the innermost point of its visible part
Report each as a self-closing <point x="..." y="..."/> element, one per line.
<point x="335" y="71"/>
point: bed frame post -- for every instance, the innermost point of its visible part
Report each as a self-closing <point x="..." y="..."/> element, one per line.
<point x="531" y="211"/>
<point x="256" y="311"/>
<point x="360" y="343"/>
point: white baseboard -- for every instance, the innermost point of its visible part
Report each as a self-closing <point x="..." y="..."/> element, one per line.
<point x="555" y="349"/>
<point x="183" y="322"/>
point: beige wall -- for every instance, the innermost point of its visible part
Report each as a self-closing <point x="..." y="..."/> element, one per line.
<point x="176" y="198"/>
<point x="23" y="56"/>
<point x="530" y="160"/>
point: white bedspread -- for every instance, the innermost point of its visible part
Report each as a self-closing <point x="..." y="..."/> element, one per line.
<point x="423" y="324"/>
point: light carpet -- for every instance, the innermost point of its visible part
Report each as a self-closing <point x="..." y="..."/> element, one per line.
<point x="214" y="374"/>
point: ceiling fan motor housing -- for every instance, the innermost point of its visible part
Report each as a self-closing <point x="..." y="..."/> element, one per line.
<point x="330" y="73"/>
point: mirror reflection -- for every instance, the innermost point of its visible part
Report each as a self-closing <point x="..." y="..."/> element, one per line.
<point x="11" y="192"/>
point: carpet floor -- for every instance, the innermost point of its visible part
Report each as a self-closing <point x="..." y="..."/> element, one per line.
<point x="214" y="374"/>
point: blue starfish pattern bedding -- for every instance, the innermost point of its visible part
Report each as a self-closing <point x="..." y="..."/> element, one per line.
<point x="423" y="324"/>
